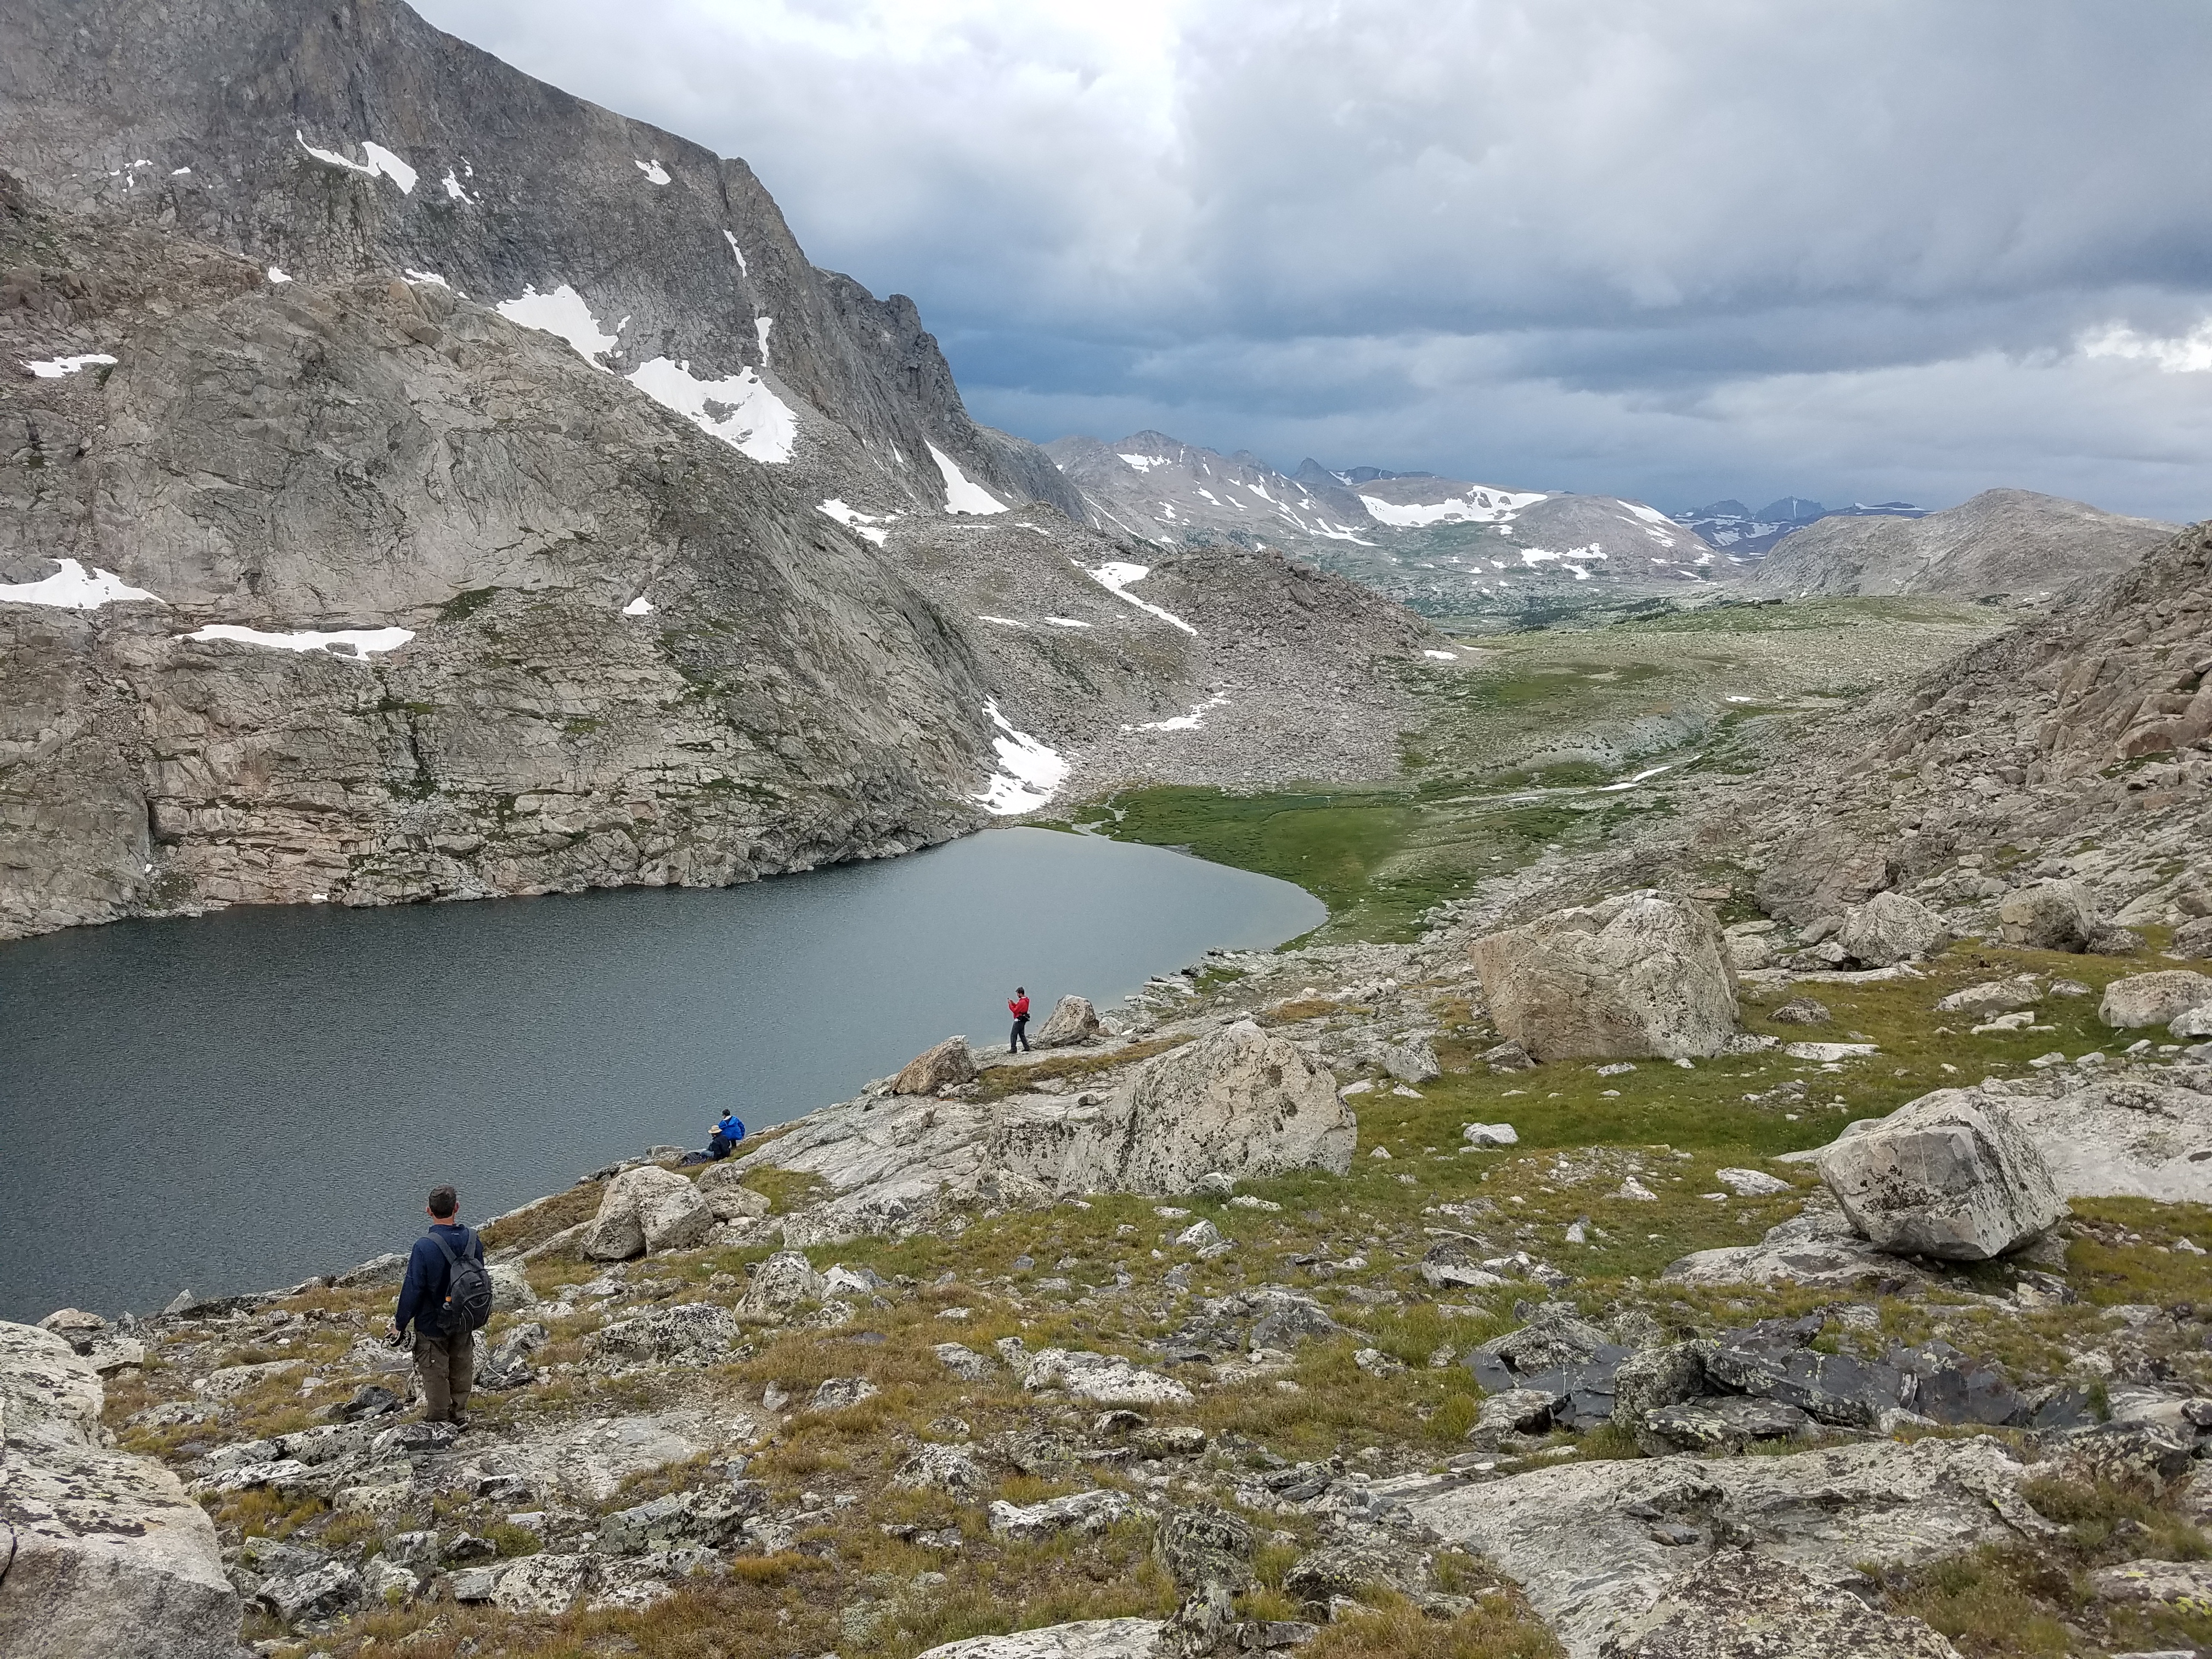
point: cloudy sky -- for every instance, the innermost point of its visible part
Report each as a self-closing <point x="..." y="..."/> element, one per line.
<point x="1672" y="249"/>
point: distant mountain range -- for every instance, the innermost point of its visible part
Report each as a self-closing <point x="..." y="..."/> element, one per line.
<point x="1443" y="546"/>
<point x="1732" y="525"/>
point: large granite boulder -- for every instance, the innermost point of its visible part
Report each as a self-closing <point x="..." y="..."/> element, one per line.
<point x="721" y="1186"/>
<point x="647" y="1209"/>
<point x="102" y="1554"/>
<point x="1891" y="928"/>
<point x="1073" y="1021"/>
<point x="1824" y="872"/>
<point x="947" y="1065"/>
<point x="1640" y="974"/>
<point x="1240" y="1100"/>
<point x="2141" y="1000"/>
<point x="2050" y="915"/>
<point x="1950" y="1175"/>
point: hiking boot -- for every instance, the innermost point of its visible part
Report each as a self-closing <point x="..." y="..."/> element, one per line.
<point x="459" y="1420"/>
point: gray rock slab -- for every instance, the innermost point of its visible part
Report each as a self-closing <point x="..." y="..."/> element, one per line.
<point x="1579" y="1537"/>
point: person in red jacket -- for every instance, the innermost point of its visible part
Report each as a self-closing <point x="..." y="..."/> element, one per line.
<point x="1019" y="1008"/>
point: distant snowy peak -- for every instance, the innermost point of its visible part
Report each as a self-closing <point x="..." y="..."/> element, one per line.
<point x="1731" y="525"/>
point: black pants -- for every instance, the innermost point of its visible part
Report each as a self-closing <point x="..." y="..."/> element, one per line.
<point x="720" y="1147"/>
<point x="1021" y="1036"/>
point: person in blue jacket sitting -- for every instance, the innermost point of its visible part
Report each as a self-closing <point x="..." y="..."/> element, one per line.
<point x="725" y="1135"/>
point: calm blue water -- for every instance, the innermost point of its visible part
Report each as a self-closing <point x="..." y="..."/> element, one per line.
<point x="238" y="1101"/>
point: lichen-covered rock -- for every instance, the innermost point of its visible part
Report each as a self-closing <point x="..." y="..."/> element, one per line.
<point x="1950" y="1175"/>
<point x="721" y="1186"/>
<point x="2050" y="915"/>
<point x="102" y="1554"/>
<point x="1744" y="1604"/>
<point x="692" y="1333"/>
<point x="2135" y="1001"/>
<point x="1597" y="1545"/>
<point x="947" y="1065"/>
<point x="1640" y="974"/>
<point x="1092" y="1638"/>
<point x="644" y="1210"/>
<point x="784" y="1281"/>
<point x="1822" y="871"/>
<point x="1653" y="1377"/>
<point x="935" y="1466"/>
<point x="1240" y="1100"/>
<point x="1107" y="1379"/>
<point x="1891" y="928"/>
<point x="1718" y="1426"/>
<point x="1072" y="1021"/>
<point x="1082" y="1512"/>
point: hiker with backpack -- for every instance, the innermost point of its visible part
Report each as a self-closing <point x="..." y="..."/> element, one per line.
<point x="447" y="1296"/>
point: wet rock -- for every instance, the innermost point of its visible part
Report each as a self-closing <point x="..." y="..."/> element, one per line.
<point x="105" y="1554"/>
<point x="1771" y="1361"/>
<point x="644" y="1210"/>
<point x="947" y="1065"/>
<point x="1719" y="1426"/>
<point x="691" y="1334"/>
<point x="1084" y="1513"/>
<point x="1073" y="1021"/>
<point x="370" y="1400"/>
<point x="1950" y="1175"/>
<point x="1639" y="974"/>
<point x="1890" y="928"/>
<point x="2141" y="1000"/>
<point x="1557" y="1354"/>
<point x="1744" y="1604"/>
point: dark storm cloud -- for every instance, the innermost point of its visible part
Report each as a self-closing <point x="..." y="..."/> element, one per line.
<point x="1677" y="248"/>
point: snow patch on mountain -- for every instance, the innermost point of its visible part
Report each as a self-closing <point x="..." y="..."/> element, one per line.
<point x="739" y="409"/>
<point x="72" y="587"/>
<point x="860" y="523"/>
<point x="358" y="641"/>
<point x="381" y="162"/>
<point x="1115" y="578"/>
<point x="1189" y="722"/>
<point x="1030" y="773"/>
<point x="1481" y="507"/>
<point x="654" y="173"/>
<point x="562" y="311"/>
<point x="961" y="495"/>
<point x="53" y="368"/>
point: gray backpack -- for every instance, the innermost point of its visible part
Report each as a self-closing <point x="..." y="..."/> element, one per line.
<point x="468" y="1287"/>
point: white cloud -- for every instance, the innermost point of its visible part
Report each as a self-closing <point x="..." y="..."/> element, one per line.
<point x="2190" y="353"/>
<point x="1395" y="221"/>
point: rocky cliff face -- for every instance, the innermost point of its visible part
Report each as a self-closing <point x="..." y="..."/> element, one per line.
<point x="421" y="484"/>
<point x="2003" y="541"/>
<point x="327" y="142"/>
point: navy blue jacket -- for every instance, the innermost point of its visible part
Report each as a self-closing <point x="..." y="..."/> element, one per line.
<point x="423" y="1293"/>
